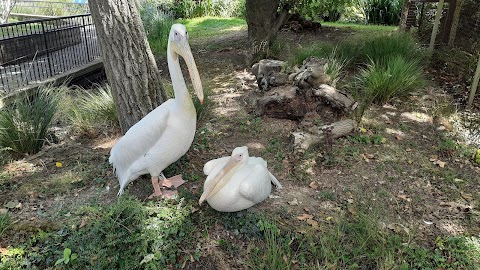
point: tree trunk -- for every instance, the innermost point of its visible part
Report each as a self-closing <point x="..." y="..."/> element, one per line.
<point x="263" y="22"/>
<point x="7" y="6"/>
<point x="404" y="16"/>
<point x="129" y="63"/>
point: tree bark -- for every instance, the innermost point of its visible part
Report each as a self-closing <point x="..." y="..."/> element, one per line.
<point x="129" y="63"/>
<point x="404" y="16"/>
<point x="263" y="21"/>
<point x="7" y="6"/>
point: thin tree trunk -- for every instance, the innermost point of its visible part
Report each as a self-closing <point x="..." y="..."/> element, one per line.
<point x="404" y="16"/>
<point x="7" y="6"/>
<point x="129" y="63"/>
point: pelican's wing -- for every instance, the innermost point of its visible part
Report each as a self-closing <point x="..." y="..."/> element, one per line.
<point x="254" y="186"/>
<point x="139" y="139"/>
<point x="261" y="161"/>
<point x="208" y="167"/>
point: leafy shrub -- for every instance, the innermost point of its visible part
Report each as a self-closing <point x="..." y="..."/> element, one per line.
<point x="327" y="10"/>
<point x="24" y="124"/>
<point x="383" y="11"/>
<point x="93" y="109"/>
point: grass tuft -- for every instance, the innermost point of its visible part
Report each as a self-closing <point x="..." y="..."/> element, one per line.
<point x="94" y="109"/>
<point x="5" y="222"/>
<point x="157" y="24"/>
<point x="380" y="83"/>
<point x="24" y="124"/>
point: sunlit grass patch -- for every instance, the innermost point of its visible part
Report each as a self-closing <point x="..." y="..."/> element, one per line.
<point x="203" y="28"/>
<point x="363" y="28"/>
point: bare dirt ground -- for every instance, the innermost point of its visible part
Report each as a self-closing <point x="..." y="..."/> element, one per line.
<point x="405" y="177"/>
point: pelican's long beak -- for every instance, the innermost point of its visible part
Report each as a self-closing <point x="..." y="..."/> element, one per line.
<point x="192" y="69"/>
<point x="221" y="178"/>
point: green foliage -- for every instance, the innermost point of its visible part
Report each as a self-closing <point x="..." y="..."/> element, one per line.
<point x="67" y="258"/>
<point x="205" y="28"/>
<point x="274" y="251"/>
<point x="128" y="235"/>
<point x="383" y="11"/>
<point x="24" y="124"/>
<point x="5" y="222"/>
<point x="157" y="24"/>
<point x="191" y="9"/>
<point x="458" y="252"/>
<point x="93" y="109"/>
<point x="381" y="49"/>
<point x="327" y="10"/>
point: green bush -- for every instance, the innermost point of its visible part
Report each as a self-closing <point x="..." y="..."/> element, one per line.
<point x="24" y="124"/>
<point x="383" y="11"/>
<point x="327" y="10"/>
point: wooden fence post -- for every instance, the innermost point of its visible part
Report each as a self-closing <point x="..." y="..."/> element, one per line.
<point x="473" y="90"/>
<point x="438" y="15"/>
<point x="456" y="20"/>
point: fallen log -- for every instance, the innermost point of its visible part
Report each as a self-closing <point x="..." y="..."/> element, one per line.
<point x="303" y="140"/>
<point x="336" y="98"/>
<point x="282" y="102"/>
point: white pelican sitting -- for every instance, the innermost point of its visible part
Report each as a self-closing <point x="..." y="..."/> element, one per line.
<point x="237" y="182"/>
<point x="166" y="133"/>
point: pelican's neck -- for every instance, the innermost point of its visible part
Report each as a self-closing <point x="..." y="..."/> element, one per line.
<point x="178" y="82"/>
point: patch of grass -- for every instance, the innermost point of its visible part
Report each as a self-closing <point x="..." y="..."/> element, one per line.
<point x="205" y="28"/>
<point x="274" y="251"/>
<point x="275" y="147"/>
<point x="94" y="109"/>
<point x="5" y="222"/>
<point x="458" y="252"/>
<point x="251" y="125"/>
<point x="363" y="28"/>
<point x="24" y="124"/>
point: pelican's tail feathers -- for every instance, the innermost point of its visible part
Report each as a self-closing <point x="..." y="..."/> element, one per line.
<point x="275" y="181"/>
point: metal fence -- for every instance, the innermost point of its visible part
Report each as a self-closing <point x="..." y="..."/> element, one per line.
<point x="33" y="51"/>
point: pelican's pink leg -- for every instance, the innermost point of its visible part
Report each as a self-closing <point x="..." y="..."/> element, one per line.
<point x="156" y="187"/>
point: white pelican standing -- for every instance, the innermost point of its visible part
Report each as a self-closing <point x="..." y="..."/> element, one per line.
<point x="237" y="182"/>
<point x="166" y="133"/>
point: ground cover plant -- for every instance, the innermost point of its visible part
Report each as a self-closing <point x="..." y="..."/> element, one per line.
<point x="399" y="193"/>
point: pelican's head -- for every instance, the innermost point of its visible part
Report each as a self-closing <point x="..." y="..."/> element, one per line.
<point x="239" y="157"/>
<point x="178" y="45"/>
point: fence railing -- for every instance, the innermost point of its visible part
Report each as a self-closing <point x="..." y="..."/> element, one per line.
<point x="49" y="8"/>
<point x="33" y="51"/>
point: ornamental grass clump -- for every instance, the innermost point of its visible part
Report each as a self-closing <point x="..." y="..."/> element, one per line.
<point x="25" y="122"/>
